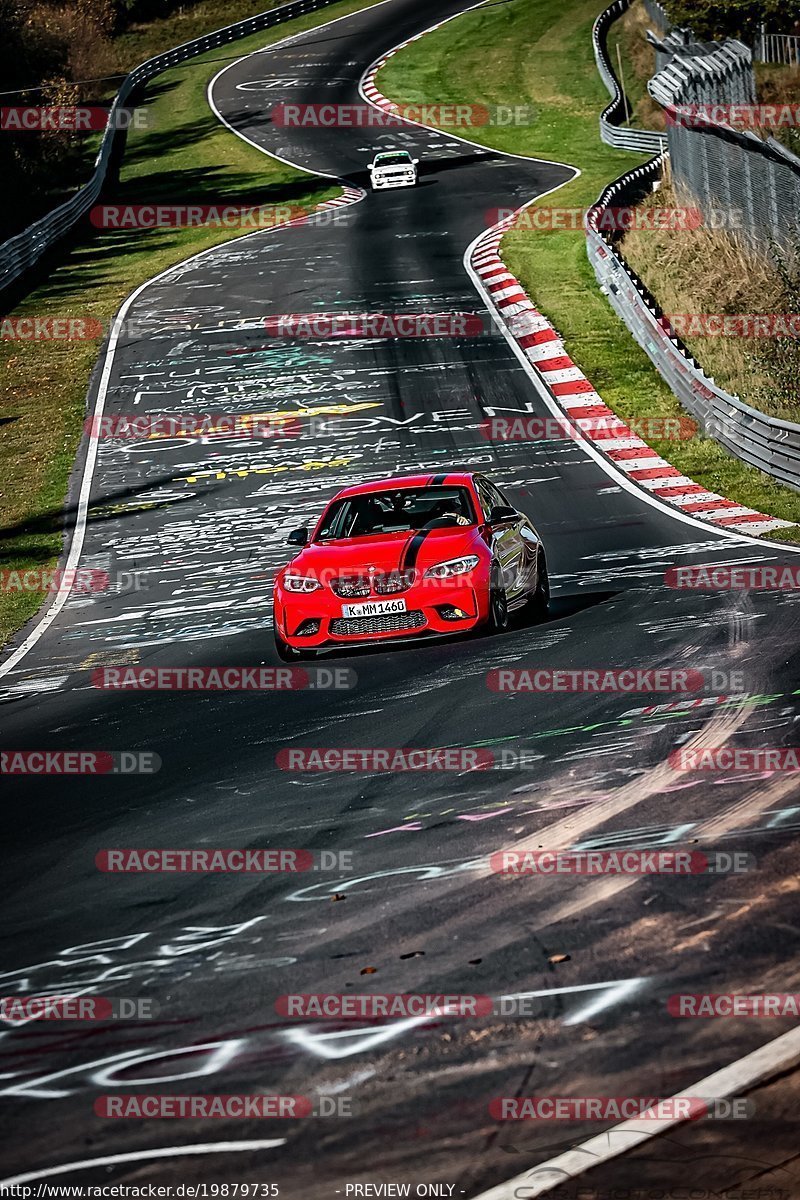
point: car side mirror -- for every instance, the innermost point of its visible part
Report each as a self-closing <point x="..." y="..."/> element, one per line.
<point x="501" y="513"/>
<point x="298" y="537"/>
<point x="415" y="161"/>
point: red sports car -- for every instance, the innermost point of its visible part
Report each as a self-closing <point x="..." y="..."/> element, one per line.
<point x="415" y="556"/>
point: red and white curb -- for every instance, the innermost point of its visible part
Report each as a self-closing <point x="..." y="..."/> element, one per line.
<point x="585" y="408"/>
<point x="570" y="388"/>
<point x="367" y="86"/>
<point x="350" y="195"/>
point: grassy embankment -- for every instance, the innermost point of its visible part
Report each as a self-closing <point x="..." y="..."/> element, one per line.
<point x="539" y="53"/>
<point x="184" y="155"/>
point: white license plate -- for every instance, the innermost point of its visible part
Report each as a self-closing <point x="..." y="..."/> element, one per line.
<point x="373" y="608"/>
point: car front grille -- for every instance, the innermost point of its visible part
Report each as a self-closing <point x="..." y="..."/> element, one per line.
<point x="394" y="582"/>
<point x="351" y="585"/>
<point x="389" y="584"/>
<point x="389" y="623"/>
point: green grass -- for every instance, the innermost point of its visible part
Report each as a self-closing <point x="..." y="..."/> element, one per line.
<point x="539" y="53"/>
<point x="184" y="155"/>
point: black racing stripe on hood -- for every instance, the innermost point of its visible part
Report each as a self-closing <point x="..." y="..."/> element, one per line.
<point x="408" y="559"/>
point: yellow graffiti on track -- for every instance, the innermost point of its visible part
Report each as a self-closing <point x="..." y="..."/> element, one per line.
<point x="312" y="464"/>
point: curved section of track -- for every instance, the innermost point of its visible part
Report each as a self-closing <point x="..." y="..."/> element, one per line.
<point x="204" y="522"/>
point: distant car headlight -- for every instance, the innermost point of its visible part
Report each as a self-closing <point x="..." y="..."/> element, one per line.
<point x="301" y="583"/>
<point x="453" y="566"/>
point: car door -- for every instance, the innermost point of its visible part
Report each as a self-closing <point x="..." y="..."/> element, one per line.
<point x="508" y="546"/>
<point x="529" y="544"/>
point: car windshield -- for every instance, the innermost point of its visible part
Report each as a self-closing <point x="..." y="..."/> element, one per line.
<point x="400" y="159"/>
<point x="398" y="510"/>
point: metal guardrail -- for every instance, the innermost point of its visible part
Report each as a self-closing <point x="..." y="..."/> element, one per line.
<point x="783" y="48"/>
<point x="697" y="73"/>
<point x="658" y="15"/>
<point x="612" y="132"/>
<point x="768" y="443"/>
<point x="23" y="251"/>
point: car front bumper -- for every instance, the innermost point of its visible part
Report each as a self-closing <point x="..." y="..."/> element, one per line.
<point x="393" y="181"/>
<point x="315" y="620"/>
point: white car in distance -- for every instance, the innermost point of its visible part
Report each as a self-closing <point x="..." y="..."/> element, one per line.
<point x="393" y="168"/>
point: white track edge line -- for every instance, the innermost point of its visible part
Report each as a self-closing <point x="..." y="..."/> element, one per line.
<point x="109" y="1160"/>
<point x="742" y="1075"/>
<point x="79" y="531"/>
<point x="615" y="473"/>
<point x="380" y="62"/>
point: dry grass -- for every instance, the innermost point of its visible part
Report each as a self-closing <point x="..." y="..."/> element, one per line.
<point x="780" y="85"/>
<point x="710" y="271"/>
<point x="638" y="65"/>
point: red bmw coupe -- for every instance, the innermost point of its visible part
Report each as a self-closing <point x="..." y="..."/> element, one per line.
<point x="416" y="556"/>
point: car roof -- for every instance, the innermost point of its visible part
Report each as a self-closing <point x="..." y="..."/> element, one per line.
<point x="448" y="478"/>
<point x="389" y="153"/>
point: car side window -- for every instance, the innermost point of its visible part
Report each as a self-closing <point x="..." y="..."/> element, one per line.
<point x="497" y="496"/>
<point x="482" y="487"/>
<point x="491" y="496"/>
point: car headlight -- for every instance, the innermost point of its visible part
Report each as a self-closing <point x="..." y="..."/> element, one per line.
<point x="453" y="566"/>
<point x="300" y="583"/>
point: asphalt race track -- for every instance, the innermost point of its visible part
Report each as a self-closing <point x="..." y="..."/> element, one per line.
<point x="201" y="523"/>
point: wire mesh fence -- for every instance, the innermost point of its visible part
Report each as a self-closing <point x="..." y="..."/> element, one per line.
<point x="735" y="177"/>
<point x="771" y="444"/>
<point x="755" y="179"/>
